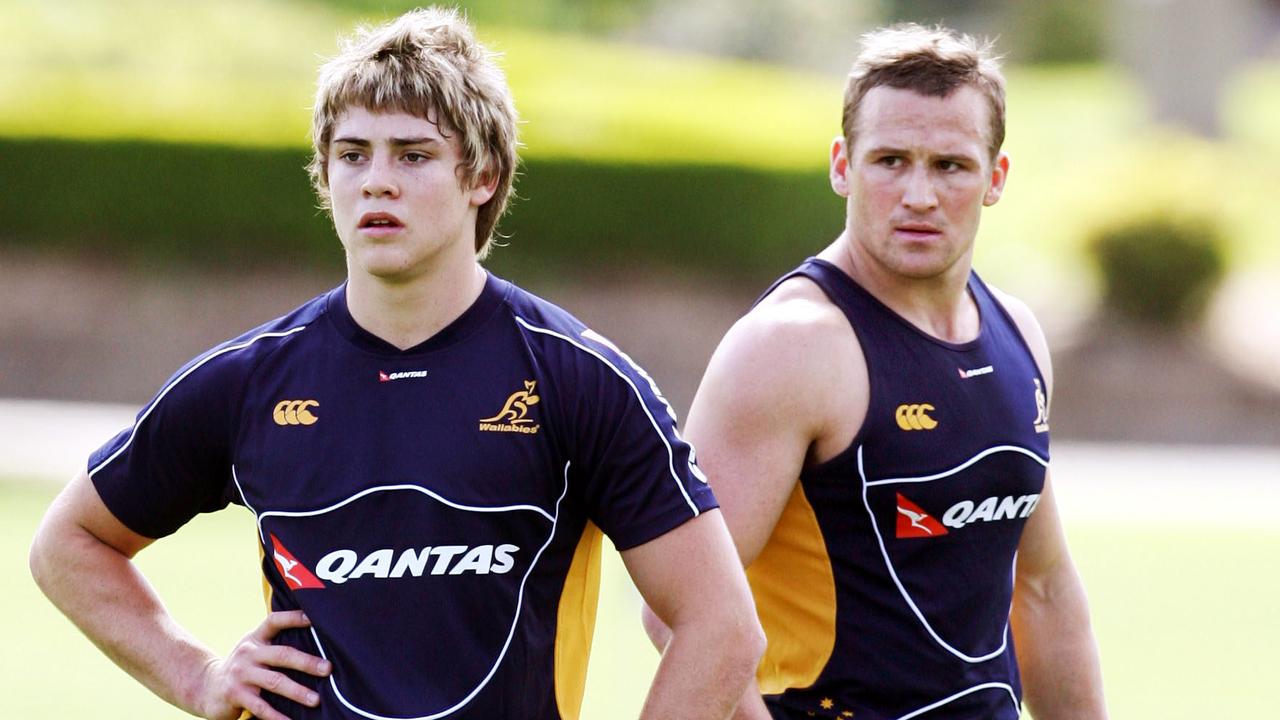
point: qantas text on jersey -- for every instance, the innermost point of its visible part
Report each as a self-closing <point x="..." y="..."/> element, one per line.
<point x="340" y="566"/>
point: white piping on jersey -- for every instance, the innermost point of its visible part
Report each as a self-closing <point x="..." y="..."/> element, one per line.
<point x="671" y="457"/>
<point x="514" y="622"/>
<point x="962" y="693"/>
<point x="183" y="376"/>
<point x="417" y="488"/>
<point x="958" y="468"/>
<point x="235" y="479"/>
<point x="903" y="590"/>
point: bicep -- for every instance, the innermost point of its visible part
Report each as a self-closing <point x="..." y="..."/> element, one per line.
<point x="752" y="434"/>
<point x="79" y="511"/>
<point x="1043" y="547"/>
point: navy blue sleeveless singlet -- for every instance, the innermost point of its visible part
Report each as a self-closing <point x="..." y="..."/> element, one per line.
<point x="886" y="586"/>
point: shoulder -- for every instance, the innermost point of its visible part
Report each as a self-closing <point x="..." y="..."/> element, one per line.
<point x="794" y="329"/>
<point x="224" y="368"/>
<point x="1025" y="320"/>
<point x="790" y="355"/>
<point x="585" y="362"/>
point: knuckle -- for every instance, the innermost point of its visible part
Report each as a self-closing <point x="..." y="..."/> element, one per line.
<point x="273" y="681"/>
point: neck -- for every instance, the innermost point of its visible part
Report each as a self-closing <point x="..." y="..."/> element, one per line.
<point x="407" y="313"/>
<point x="939" y="306"/>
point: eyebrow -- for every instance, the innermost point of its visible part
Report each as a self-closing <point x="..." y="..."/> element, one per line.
<point x="890" y="150"/>
<point x="396" y="142"/>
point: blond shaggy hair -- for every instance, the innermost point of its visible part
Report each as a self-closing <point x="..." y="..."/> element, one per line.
<point x="425" y="63"/>
<point x="930" y="61"/>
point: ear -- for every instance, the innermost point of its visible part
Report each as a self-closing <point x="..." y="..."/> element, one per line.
<point x="999" y="173"/>
<point x="484" y="188"/>
<point x="839" y="171"/>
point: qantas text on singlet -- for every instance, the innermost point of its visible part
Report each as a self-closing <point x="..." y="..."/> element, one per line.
<point x="966" y="512"/>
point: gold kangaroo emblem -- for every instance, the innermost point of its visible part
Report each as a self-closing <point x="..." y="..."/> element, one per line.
<point x="517" y="406"/>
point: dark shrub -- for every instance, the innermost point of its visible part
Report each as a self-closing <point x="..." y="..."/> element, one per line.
<point x="1159" y="270"/>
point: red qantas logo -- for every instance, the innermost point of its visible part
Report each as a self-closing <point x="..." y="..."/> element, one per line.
<point x="914" y="522"/>
<point x="296" y="575"/>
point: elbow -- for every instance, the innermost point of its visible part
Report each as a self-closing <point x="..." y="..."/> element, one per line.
<point x="38" y="562"/>
<point x="746" y="646"/>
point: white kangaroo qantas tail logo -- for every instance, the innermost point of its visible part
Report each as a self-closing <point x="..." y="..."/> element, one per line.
<point x="914" y="522"/>
<point x="295" y="574"/>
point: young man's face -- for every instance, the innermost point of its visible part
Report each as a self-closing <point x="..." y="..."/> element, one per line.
<point x="916" y="180"/>
<point x="399" y="205"/>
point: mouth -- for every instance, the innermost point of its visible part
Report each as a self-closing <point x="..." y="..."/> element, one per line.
<point x="917" y="230"/>
<point x="379" y="223"/>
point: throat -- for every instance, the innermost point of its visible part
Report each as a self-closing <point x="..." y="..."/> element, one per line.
<point x="408" y="314"/>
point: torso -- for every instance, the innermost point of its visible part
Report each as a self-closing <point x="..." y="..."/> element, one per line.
<point x="433" y="510"/>
<point x="903" y="527"/>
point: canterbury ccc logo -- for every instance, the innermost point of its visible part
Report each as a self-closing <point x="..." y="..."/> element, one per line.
<point x="915" y="417"/>
<point x="295" y="412"/>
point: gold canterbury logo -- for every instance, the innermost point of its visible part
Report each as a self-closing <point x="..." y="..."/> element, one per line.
<point x="514" y="416"/>
<point x="915" y="417"/>
<point x="294" y="412"/>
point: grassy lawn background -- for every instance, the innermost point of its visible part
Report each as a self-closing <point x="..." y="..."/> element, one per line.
<point x="1183" y="616"/>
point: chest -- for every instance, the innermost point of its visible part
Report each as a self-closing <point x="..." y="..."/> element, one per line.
<point x="461" y="428"/>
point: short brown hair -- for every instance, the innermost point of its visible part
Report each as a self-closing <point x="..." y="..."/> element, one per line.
<point x="931" y="61"/>
<point x="425" y="63"/>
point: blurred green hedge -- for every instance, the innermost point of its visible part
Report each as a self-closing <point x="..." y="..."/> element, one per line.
<point x="198" y="206"/>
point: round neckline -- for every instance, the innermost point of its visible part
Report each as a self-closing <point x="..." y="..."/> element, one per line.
<point x="845" y="280"/>
<point x="491" y="296"/>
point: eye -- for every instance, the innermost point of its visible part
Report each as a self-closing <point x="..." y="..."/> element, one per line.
<point x="349" y="156"/>
<point x="416" y="157"/>
<point x="890" y="161"/>
<point x="949" y="166"/>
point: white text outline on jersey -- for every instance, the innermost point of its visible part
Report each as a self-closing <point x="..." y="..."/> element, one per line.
<point x="671" y="455"/>
<point x="183" y="376"/>
<point x="888" y="563"/>
<point x="515" y="621"/>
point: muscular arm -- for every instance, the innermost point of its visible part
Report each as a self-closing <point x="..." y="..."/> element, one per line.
<point x="82" y="559"/>
<point x="1057" y="654"/>
<point x="759" y="416"/>
<point x="692" y="580"/>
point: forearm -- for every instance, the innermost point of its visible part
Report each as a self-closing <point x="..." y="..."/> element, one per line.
<point x="1057" y="655"/>
<point x="704" y="672"/>
<point x="101" y="591"/>
<point x="750" y="704"/>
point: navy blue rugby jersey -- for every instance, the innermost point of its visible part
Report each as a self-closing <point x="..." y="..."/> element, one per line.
<point x="886" y="586"/>
<point x="433" y="510"/>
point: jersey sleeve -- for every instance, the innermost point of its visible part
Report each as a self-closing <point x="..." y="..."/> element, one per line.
<point x="642" y="477"/>
<point x="175" y="462"/>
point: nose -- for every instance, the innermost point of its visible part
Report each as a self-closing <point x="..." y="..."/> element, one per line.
<point x="919" y="194"/>
<point x="380" y="180"/>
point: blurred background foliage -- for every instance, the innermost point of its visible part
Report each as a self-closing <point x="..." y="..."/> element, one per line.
<point x="170" y="132"/>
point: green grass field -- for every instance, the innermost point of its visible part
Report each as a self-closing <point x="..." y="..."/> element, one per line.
<point x="1184" y="617"/>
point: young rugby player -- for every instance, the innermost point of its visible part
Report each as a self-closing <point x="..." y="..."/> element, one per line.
<point x="427" y="450"/>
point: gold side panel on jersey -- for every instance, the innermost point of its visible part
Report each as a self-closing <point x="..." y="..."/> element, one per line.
<point x="795" y="594"/>
<point x="576" y="622"/>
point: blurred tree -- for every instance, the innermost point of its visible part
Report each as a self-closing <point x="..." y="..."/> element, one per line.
<point x="593" y="16"/>
<point x="1159" y="270"/>
<point x="1045" y="31"/>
